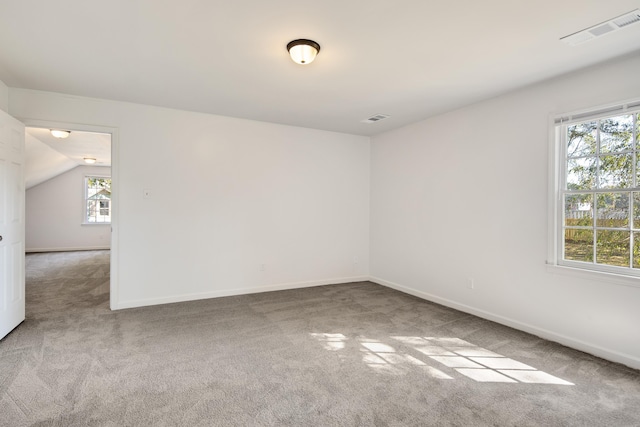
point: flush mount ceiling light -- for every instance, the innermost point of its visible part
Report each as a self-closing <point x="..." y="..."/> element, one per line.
<point x="60" y="133"/>
<point x="89" y="160"/>
<point x="303" y="51"/>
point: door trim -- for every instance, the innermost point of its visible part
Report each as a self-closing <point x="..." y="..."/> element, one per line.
<point x="115" y="182"/>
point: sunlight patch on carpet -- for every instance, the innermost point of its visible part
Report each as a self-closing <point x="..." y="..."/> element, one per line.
<point x="457" y="357"/>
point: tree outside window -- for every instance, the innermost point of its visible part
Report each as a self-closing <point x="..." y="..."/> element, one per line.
<point x="601" y="194"/>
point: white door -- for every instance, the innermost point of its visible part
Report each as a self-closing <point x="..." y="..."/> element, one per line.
<point x="11" y="223"/>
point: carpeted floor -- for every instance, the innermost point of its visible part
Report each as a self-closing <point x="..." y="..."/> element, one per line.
<point x="355" y="354"/>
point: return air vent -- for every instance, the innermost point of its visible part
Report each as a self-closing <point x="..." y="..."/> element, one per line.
<point x="376" y="118"/>
<point x="629" y="18"/>
<point x="602" y="28"/>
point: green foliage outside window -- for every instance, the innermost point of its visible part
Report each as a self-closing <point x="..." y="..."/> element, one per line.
<point x="602" y="194"/>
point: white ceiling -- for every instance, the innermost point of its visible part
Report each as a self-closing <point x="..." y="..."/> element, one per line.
<point x="407" y="59"/>
<point x="47" y="157"/>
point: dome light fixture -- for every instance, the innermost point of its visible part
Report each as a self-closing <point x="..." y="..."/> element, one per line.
<point x="60" y="133"/>
<point x="303" y="51"/>
<point x="89" y="160"/>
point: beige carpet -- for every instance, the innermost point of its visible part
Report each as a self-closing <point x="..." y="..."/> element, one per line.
<point x="355" y="354"/>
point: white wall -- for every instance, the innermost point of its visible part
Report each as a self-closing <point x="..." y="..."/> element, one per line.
<point x="4" y="97"/>
<point x="54" y="214"/>
<point x="228" y="195"/>
<point x="464" y="195"/>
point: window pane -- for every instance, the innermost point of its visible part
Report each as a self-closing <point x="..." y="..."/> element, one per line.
<point x="578" y="245"/>
<point x="612" y="210"/>
<point x="578" y="210"/>
<point x="616" y="171"/>
<point x="581" y="173"/>
<point x="91" y="210"/>
<point x="103" y="211"/>
<point x="638" y="166"/>
<point x="636" y="210"/>
<point x="616" y="134"/>
<point x="636" y="250"/>
<point x="581" y="139"/>
<point x="612" y="247"/>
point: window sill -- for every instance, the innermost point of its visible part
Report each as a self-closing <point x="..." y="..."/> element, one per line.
<point x="95" y="223"/>
<point x="601" y="276"/>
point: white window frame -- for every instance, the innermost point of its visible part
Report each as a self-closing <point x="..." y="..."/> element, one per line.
<point x="85" y="199"/>
<point x="557" y="175"/>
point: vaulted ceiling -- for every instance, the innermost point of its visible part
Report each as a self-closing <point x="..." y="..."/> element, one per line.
<point x="407" y="59"/>
<point x="48" y="157"/>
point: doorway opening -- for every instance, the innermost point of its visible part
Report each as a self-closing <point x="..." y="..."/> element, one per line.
<point x="70" y="208"/>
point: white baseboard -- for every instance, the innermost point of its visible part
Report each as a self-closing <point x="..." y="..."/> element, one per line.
<point x="83" y="248"/>
<point x="232" y="292"/>
<point x="596" y="350"/>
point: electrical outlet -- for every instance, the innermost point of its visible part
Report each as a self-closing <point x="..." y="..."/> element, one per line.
<point x="263" y="267"/>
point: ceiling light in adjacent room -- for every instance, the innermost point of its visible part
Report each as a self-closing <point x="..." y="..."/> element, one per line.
<point x="303" y="51"/>
<point x="60" y="133"/>
<point x="89" y="160"/>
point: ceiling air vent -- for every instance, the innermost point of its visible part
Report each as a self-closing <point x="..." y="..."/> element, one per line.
<point x="376" y="118"/>
<point x="602" y="28"/>
<point x="629" y="18"/>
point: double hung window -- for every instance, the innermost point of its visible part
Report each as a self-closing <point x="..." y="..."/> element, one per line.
<point x="598" y="205"/>
<point x="97" y="197"/>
